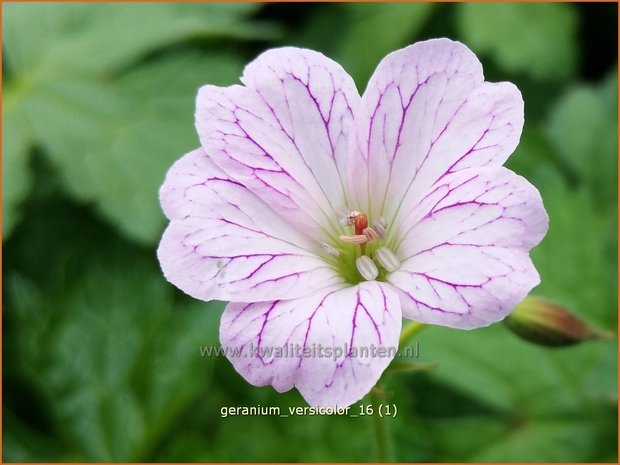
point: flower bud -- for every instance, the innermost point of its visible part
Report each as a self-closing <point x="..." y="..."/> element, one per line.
<point x="546" y="323"/>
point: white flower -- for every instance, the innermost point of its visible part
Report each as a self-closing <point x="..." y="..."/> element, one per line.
<point x="435" y="229"/>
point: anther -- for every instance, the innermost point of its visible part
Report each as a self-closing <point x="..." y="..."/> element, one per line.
<point x="367" y="268"/>
<point x="371" y="234"/>
<point x="387" y="259"/>
<point x="329" y="249"/>
<point x="357" y="239"/>
<point x="379" y="227"/>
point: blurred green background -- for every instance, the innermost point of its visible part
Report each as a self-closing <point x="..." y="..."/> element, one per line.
<point x="101" y="355"/>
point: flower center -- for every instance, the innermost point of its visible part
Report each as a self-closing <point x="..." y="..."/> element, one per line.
<point x="360" y="255"/>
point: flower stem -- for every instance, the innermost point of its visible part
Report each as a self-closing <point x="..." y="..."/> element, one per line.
<point x="411" y="329"/>
<point x="383" y="440"/>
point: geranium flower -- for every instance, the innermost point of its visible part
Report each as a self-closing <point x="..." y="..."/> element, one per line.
<point x="324" y="217"/>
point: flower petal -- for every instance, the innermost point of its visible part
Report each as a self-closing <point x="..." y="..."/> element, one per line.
<point x="285" y="134"/>
<point x="305" y="343"/>
<point x="464" y="255"/>
<point x="427" y="112"/>
<point x="225" y="243"/>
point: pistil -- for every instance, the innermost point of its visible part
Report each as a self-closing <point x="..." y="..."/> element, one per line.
<point x="361" y="224"/>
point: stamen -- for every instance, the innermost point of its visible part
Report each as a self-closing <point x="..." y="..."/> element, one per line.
<point x="357" y="239"/>
<point x="367" y="268"/>
<point x="380" y="226"/>
<point x="387" y="259"/>
<point x="380" y="222"/>
<point x="371" y="234"/>
<point x="329" y="249"/>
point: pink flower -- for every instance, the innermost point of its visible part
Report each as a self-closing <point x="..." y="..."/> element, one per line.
<point x="324" y="217"/>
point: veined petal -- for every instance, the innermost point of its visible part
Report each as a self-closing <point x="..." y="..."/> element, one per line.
<point x="321" y="344"/>
<point x="225" y="243"/>
<point x="464" y="248"/>
<point x="427" y="112"/>
<point x="285" y="134"/>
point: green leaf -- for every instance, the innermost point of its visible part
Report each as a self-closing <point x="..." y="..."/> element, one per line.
<point x="16" y="178"/>
<point x="21" y="443"/>
<point x="117" y="359"/>
<point x="42" y="39"/>
<point x="543" y="408"/>
<point x="114" y="134"/>
<point x="534" y="156"/>
<point x="114" y="144"/>
<point x="360" y="35"/>
<point x="29" y="27"/>
<point x="559" y="440"/>
<point x="534" y="38"/>
<point x="576" y="259"/>
<point x="376" y="29"/>
<point x="583" y="130"/>
<point x="409" y="367"/>
<point x="553" y="405"/>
